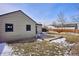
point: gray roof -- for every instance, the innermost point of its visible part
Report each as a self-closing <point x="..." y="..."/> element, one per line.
<point x="18" y="11"/>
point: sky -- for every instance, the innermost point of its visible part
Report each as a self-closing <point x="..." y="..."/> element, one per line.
<point x="44" y="13"/>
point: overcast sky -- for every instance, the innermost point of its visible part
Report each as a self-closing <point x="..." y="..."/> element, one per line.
<point x="43" y="13"/>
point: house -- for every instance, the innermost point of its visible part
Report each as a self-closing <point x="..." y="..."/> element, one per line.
<point x="73" y="25"/>
<point x="17" y="25"/>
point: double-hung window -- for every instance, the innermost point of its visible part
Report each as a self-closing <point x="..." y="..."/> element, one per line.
<point x="8" y="27"/>
<point x="28" y="27"/>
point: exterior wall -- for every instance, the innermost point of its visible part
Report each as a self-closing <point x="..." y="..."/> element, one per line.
<point x="0" y="30"/>
<point x="19" y="21"/>
<point x="78" y="25"/>
<point x="68" y="28"/>
<point x="39" y="28"/>
<point x="52" y="27"/>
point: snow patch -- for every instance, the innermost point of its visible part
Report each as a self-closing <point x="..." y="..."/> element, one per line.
<point x="62" y="41"/>
<point x="39" y="40"/>
<point x="6" y="50"/>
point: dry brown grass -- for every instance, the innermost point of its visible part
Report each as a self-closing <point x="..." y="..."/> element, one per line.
<point x="38" y="49"/>
<point x="71" y="38"/>
<point x="75" y="50"/>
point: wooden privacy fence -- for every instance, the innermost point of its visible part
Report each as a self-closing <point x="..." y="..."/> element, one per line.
<point x="65" y="30"/>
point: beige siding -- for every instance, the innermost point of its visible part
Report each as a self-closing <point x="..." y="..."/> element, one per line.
<point x="0" y="29"/>
<point x="19" y="22"/>
<point x="39" y="28"/>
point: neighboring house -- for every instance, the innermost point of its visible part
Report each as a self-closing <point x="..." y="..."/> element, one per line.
<point x="17" y="25"/>
<point x="67" y="25"/>
<point x="51" y="27"/>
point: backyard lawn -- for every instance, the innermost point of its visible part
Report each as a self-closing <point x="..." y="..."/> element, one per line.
<point x="45" y="48"/>
<point x="70" y="37"/>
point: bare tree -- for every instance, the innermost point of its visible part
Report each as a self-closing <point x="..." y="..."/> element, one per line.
<point x="75" y="18"/>
<point x="61" y="18"/>
<point x="54" y="23"/>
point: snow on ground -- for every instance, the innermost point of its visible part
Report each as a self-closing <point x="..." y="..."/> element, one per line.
<point x="39" y="40"/>
<point x="5" y="50"/>
<point x="56" y="39"/>
<point x="1" y="47"/>
<point x="62" y="41"/>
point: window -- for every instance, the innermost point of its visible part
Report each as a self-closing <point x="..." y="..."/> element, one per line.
<point x="28" y="27"/>
<point x="8" y="27"/>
